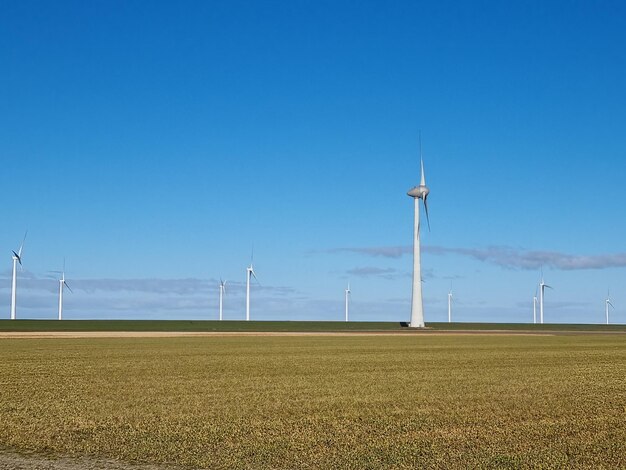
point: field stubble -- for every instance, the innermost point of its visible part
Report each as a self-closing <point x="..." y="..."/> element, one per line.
<point x="320" y="402"/>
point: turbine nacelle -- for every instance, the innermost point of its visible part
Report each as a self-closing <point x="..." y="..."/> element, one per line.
<point x="419" y="192"/>
<point x="63" y="283"/>
<point x="251" y="271"/>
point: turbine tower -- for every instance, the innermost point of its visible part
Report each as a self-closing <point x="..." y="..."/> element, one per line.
<point x="348" y="292"/>
<point x="222" y="290"/>
<point x="249" y="274"/>
<point x="62" y="283"/>
<point x="542" y="288"/>
<point x="17" y="258"/>
<point x="535" y="307"/>
<point x="608" y="304"/>
<point x="450" y="305"/>
<point x="417" y="193"/>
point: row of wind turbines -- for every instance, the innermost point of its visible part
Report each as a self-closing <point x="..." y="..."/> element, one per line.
<point x="250" y="273"/>
<point x="541" y="289"/>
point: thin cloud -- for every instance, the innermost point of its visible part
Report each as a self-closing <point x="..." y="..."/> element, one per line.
<point x="558" y="305"/>
<point x="371" y="271"/>
<point x="378" y="251"/>
<point x="514" y="258"/>
<point x="186" y="286"/>
<point x="504" y="256"/>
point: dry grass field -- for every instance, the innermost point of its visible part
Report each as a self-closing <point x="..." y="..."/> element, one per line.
<point x="405" y="401"/>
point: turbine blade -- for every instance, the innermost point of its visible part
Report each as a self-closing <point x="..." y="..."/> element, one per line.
<point x="68" y="287"/>
<point x="609" y="302"/>
<point x="19" y="253"/>
<point x="19" y="258"/>
<point x="549" y="287"/>
<point x="426" y="210"/>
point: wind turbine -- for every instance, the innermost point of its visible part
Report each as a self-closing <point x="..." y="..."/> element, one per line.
<point x="222" y="290"/>
<point x="417" y="193"/>
<point x="249" y="274"/>
<point x="450" y="305"/>
<point x="348" y="292"/>
<point x="62" y="283"/>
<point x="542" y="288"/>
<point x="17" y="258"/>
<point x="608" y="304"/>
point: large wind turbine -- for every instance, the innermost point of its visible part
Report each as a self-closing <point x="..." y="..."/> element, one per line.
<point x="17" y="258"/>
<point x="62" y="284"/>
<point x="348" y="292"/>
<point x="417" y="193"/>
<point x="222" y="290"/>
<point x="249" y="274"/>
<point x="450" y="305"/>
<point x="608" y="304"/>
<point x="542" y="288"/>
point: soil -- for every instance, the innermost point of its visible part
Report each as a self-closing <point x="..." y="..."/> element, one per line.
<point x="10" y="460"/>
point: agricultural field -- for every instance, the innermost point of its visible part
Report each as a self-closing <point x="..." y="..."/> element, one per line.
<point x="354" y="401"/>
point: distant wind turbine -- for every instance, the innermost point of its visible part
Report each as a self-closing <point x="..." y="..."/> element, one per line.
<point x="542" y="288"/>
<point x="450" y="305"/>
<point x="17" y="258"/>
<point x="535" y="307"/>
<point x="348" y="292"/>
<point x="417" y="193"/>
<point x="249" y="273"/>
<point x="62" y="283"/>
<point x="222" y="290"/>
<point x="608" y="304"/>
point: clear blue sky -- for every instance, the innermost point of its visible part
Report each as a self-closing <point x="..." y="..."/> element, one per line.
<point x="153" y="144"/>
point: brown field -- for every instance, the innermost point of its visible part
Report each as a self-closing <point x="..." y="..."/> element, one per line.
<point x="347" y="400"/>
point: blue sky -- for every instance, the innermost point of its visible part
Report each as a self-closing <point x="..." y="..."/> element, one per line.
<point x="153" y="144"/>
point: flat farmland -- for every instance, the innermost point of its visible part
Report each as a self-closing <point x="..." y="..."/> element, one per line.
<point x="404" y="401"/>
